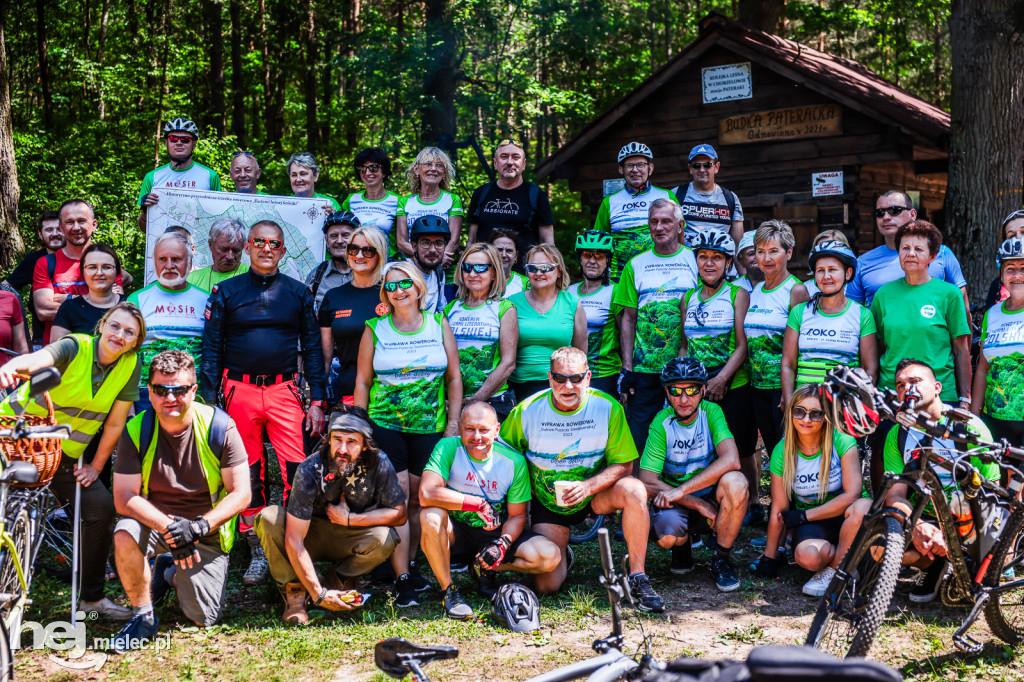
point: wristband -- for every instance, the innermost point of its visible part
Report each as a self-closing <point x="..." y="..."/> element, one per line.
<point x="965" y="400"/>
<point x="316" y="403"/>
<point x="323" y="593"/>
<point x="471" y="503"/>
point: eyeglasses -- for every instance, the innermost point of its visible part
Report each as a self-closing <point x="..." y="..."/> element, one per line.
<point x="184" y="139"/>
<point x="369" y="168"/>
<point x="509" y="140"/>
<point x="676" y="391"/>
<point x="96" y="267"/>
<point x="260" y="242"/>
<point x="436" y="244"/>
<point x="116" y="329"/>
<point x="177" y="391"/>
<point x="478" y="268"/>
<point x="574" y="378"/>
<point x="394" y="286"/>
<point x="439" y="165"/>
<point x="235" y="155"/>
<point x="640" y="165"/>
<point x="367" y="251"/>
<point x="542" y="268"/>
<point x="702" y="164"/>
<point x="814" y="414"/>
<point x="891" y="210"/>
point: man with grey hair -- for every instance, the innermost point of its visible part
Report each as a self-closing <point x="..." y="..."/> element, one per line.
<point x="245" y="172"/>
<point x="334" y="271"/>
<point x="227" y="238"/>
<point x="173" y="308"/>
<point x="649" y="291"/>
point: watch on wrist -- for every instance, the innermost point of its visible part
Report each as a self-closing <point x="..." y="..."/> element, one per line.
<point x="323" y="593"/>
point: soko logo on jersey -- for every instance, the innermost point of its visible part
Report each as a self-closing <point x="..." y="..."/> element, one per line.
<point x="633" y="205"/>
<point x="821" y="332"/>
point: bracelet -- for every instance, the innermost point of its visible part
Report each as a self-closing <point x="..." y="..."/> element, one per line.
<point x="965" y="400"/>
<point x="323" y="593"/>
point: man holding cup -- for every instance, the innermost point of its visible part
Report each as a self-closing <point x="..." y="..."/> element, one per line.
<point x="577" y="439"/>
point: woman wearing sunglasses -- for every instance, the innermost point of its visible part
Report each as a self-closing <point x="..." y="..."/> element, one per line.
<point x="486" y="328"/>
<point x="811" y="491"/>
<point x="429" y="178"/>
<point x="80" y="314"/>
<point x="507" y="243"/>
<point x="346" y="309"/>
<point x="550" y="317"/>
<point x="375" y="205"/>
<point x="408" y="379"/>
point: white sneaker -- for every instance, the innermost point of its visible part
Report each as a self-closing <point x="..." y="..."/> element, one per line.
<point x="106" y="608"/>
<point x="819" y="582"/>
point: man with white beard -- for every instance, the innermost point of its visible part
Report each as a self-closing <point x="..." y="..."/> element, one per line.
<point x="173" y="308"/>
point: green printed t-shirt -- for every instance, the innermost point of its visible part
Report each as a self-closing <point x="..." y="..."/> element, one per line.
<point x="764" y="326"/>
<point x="196" y="176"/>
<point x="920" y="321"/>
<point x="568" y="446"/>
<point x="710" y="329"/>
<point x="828" y="339"/>
<point x="625" y="215"/>
<point x="808" y="469"/>
<point x="678" y="451"/>
<point x="654" y="284"/>
<point x="540" y="335"/>
<point x="1002" y="344"/>
<point x="331" y="200"/>
<point x="174" y="321"/>
<point x="501" y="479"/>
<point x="476" y="333"/>
<point x="408" y="392"/>
<point x="379" y="213"/>
<point x="206" y="278"/>
<point x="602" y="335"/>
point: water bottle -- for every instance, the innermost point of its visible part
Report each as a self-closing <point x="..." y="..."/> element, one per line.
<point x="961" y="512"/>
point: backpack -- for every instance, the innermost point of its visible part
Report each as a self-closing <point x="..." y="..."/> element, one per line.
<point x="215" y="439"/>
<point x="320" y="271"/>
<point x="730" y="199"/>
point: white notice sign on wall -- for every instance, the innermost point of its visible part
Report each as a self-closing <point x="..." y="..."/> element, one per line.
<point x="826" y="184"/>
<point x="726" y="82"/>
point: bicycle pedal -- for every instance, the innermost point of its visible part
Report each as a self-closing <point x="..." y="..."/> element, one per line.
<point x="967" y="644"/>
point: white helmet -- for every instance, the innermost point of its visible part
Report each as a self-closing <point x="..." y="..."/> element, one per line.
<point x="635" y="149"/>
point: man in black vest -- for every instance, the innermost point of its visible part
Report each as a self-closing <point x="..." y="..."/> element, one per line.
<point x="707" y="206"/>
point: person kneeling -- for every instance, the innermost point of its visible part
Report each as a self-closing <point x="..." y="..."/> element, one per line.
<point x="180" y="479"/>
<point x="811" y="493"/>
<point x="344" y="505"/>
<point x="469" y="485"/>
<point x="691" y="469"/>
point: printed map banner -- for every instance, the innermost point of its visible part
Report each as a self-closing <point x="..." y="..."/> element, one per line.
<point x="195" y="210"/>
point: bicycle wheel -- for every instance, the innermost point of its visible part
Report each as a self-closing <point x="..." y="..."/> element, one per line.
<point x="857" y="600"/>
<point x="586" y="530"/>
<point x="6" y="659"/>
<point x="1005" y="611"/>
<point x="12" y="606"/>
<point x="55" y="544"/>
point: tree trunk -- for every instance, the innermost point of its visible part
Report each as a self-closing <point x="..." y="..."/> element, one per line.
<point x="762" y="15"/>
<point x="10" y="237"/>
<point x="985" y="175"/>
<point x="104" y="17"/>
<point x="215" y="33"/>
<point x="237" y="75"/>
<point x="44" y="65"/>
<point x="439" y="112"/>
<point x="309" y="48"/>
<point x="162" y="92"/>
<point x="265" y="49"/>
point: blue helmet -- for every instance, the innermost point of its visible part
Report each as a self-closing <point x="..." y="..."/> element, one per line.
<point x="833" y="249"/>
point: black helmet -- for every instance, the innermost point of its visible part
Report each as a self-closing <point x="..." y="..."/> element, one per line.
<point x="181" y="125"/>
<point x="516" y="607"/>
<point x="684" y="369"/>
<point x="341" y="218"/>
<point x="429" y="225"/>
<point x="849" y="398"/>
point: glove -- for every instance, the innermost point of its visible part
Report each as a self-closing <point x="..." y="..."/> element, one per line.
<point x="492" y="555"/>
<point x="200" y="527"/>
<point x="794" y="517"/>
<point x="766" y="567"/>
<point x="183" y="552"/>
<point x="182" y="532"/>
<point x="627" y="381"/>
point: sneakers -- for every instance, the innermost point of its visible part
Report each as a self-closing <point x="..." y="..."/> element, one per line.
<point x="405" y="592"/>
<point x="759" y="543"/>
<point x="682" y="559"/>
<point x="383" y="573"/>
<point x="755" y="517"/>
<point x="159" y="587"/>
<point x="419" y="583"/>
<point x="454" y="605"/>
<point x="819" y="582"/>
<point x="459" y="567"/>
<point x="725" y="576"/>
<point x="135" y="633"/>
<point x="931" y="581"/>
<point x="570" y="559"/>
<point x="106" y="609"/>
<point x="259" y="567"/>
<point x="646" y="598"/>
<point x="486" y="581"/>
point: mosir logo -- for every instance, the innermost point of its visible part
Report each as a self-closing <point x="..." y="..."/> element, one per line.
<point x="928" y="311"/>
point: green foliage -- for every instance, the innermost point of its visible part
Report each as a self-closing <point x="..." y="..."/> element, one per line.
<point x="713" y="351"/>
<point x="764" y="355"/>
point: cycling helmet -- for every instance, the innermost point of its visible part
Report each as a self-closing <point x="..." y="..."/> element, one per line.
<point x="833" y="249"/>
<point x="516" y="607"/>
<point x="684" y="369"/>
<point x="849" y="398"/>
<point x="635" y="149"/>
<point x="181" y="125"/>
<point x="1011" y="249"/>
<point x="713" y="240"/>
<point x="594" y="240"/>
<point x="341" y="218"/>
<point x="428" y="225"/>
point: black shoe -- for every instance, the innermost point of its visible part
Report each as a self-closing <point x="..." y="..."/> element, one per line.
<point x="646" y="598"/>
<point x="383" y="573"/>
<point x="486" y="581"/>
<point x="725" y="576"/>
<point x="931" y="581"/>
<point x="136" y="632"/>
<point x="459" y="567"/>
<point x="419" y="583"/>
<point x="405" y="593"/>
<point x="682" y="559"/>
<point x="755" y="516"/>
<point x="159" y="587"/>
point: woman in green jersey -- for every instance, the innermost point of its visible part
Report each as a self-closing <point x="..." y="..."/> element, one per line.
<point x="594" y="250"/>
<point x="375" y="205"/>
<point x="303" y="172"/>
<point x="429" y="178"/>
<point x="507" y="243"/>
<point x="486" y="328"/>
<point x="815" y="474"/>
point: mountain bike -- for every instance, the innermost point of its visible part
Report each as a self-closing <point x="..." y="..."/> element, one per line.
<point x="851" y="611"/>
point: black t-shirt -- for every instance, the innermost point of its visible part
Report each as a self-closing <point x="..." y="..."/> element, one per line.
<point x="509" y="208"/>
<point x="20" y="278"/>
<point x="367" y="488"/>
<point x="345" y="310"/>
<point x="79" y="316"/>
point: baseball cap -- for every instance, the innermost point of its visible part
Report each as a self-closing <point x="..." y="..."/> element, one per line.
<point x="705" y="149"/>
<point x="746" y="241"/>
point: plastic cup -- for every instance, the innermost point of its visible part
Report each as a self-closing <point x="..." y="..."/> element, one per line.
<point x="560" y="488"/>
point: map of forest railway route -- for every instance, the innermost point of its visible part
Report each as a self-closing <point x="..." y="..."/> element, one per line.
<point x="301" y="219"/>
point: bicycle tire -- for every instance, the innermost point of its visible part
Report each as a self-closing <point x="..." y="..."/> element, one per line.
<point x="858" y="602"/>
<point x="6" y="659"/>
<point x="1004" y="612"/>
<point x="586" y="530"/>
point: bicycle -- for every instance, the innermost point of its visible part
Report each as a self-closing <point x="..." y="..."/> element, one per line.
<point x="851" y="611"/>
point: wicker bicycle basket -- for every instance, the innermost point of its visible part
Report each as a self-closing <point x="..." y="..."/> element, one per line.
<point x="44" y="453"/>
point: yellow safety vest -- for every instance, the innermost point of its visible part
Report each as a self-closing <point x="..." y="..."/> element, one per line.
<point x="74" y="403"/>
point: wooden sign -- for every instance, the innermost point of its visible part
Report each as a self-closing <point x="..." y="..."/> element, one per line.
<point x="793" y="123"/>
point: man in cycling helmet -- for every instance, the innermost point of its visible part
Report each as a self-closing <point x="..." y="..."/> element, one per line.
<point x="429" y="235"/>
<point x="625" y="212"/>
<point x="691" y="469"/>
<point x="594" y="250"/>
<point x="334" y="271"/>
<point x="181" y="172"/>
<point x="706" y="205"/>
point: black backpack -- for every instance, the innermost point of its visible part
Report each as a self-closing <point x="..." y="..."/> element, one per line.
<point x="534" y="196"/>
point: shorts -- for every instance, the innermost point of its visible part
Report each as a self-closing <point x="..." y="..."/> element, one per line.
<point x="503" y="403"/>
<point x="1012" y="431"/>
<point x="201" y="593"/>
<point x="407" y="451"/>
<point x="541" y="514"/>
<point x="823" y="529"/>
<point x="679" y="521"/>
<point x="471" y="539"/>
<point x="767" y="415"/>
<point x="737" y="408"/>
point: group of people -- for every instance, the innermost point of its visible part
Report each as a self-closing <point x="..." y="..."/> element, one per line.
<point x="479" y="419"/>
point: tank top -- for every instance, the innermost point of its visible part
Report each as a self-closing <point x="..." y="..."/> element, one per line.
<point x="764" y="326"/>
<point x="602" y="337"/>
<point x="540" y="335"/>
<point x="710" y="330"/>
<point x="476" y="333"/>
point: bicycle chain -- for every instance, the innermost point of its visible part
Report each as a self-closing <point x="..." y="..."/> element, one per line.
<point x="954" y="593"/>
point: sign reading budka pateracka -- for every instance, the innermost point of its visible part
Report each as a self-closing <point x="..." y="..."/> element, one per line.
<point x="811" y="120"/>
<point x="726" y="82"/>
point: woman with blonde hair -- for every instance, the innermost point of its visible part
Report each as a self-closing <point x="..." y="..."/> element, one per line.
<point x="429" y="177"/>
<point x="486" y="328"/>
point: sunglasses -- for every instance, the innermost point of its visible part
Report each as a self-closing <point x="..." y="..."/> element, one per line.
<point x="260" y="242"/>
<point x="369" y="168"/>
<point x="593" y="255"/>
<point x="367" y="251"/>
<point x="509" y="140"/>
<point x="891" y="210"/>
<point x="394" y="286"/>
<point x="177" y="391"/>
<point x="235" y="155"/>
<point x="702" y="164"/>
<point x="542" y="268"/>
<point x="574" y="378"/>
<point x="676" y="391"/>
<point x="184" y="139"/>
<point x="814" y="414"/>
<point x="478" y="268"/>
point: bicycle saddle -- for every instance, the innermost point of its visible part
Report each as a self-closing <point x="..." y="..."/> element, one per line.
<point x="394" y="655"/>
<point x="20" y="472"/>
